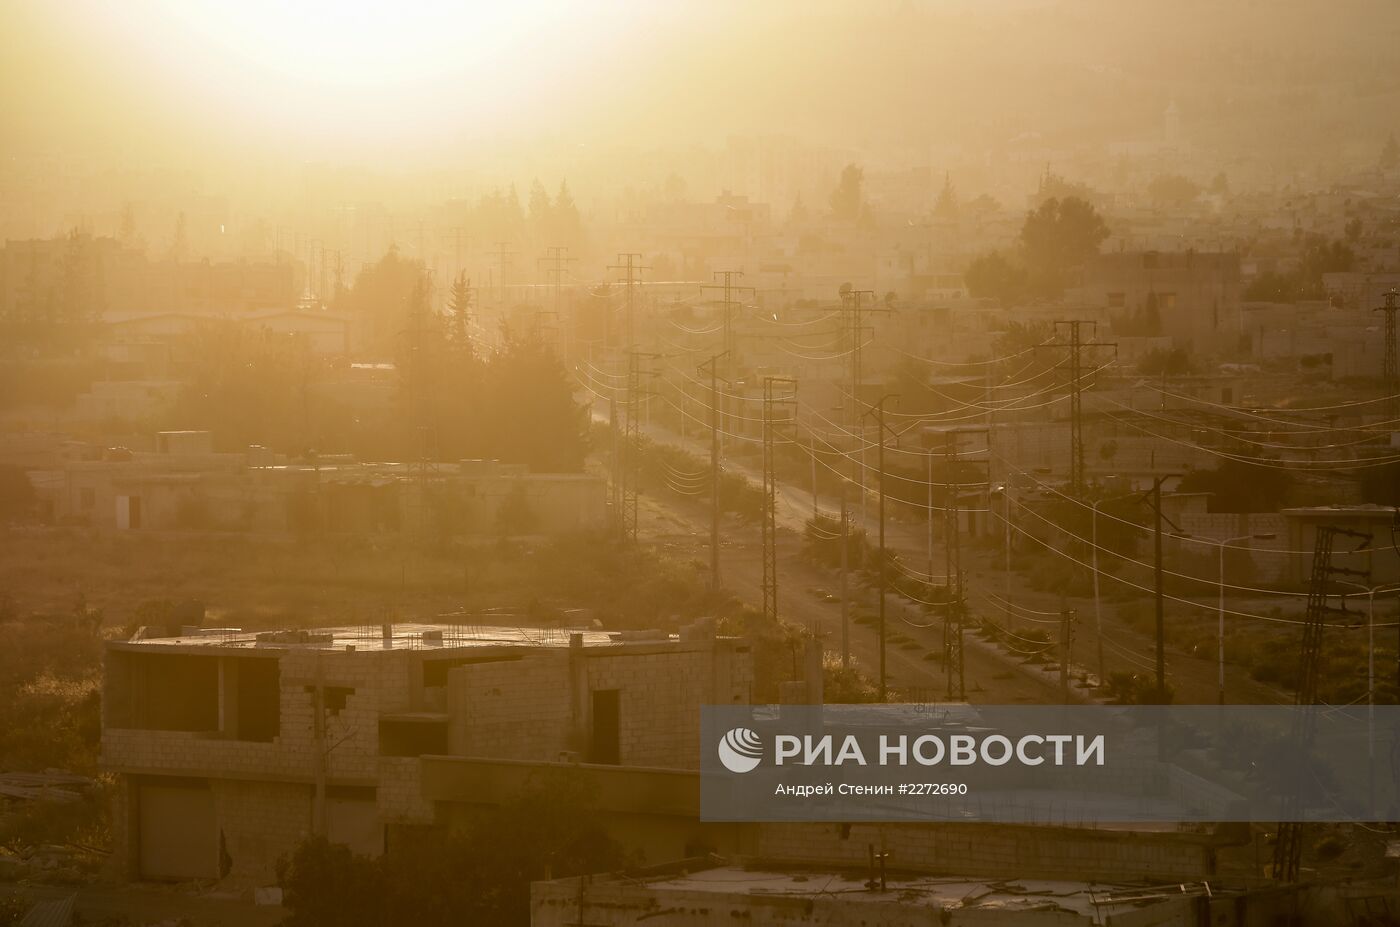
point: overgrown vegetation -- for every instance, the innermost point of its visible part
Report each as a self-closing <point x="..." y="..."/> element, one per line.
<point x="1304" y="281"/>
<point x="449" y="399"/>
<point x="479" y="873"/>
<point x="50" y="718"/>
<point x="1057" y="236"/>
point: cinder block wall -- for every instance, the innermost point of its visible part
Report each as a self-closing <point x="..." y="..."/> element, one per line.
<point x="537" y="707"/>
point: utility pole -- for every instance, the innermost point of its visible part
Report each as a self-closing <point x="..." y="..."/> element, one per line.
<point x="554" y="261"/>
<point x="459" y="237"/>
<point x="1390" y="368"/>
<point x="845" y="567"/>
<point x="1288" y="847"/>
<point x="712" y="363"/>
<point x="630" y="263"/>
<point x="615" y="487"/>
<point x="877" y="411"/>
<point x="854" y="307"/>
<point x="632" y="443"/>
<point x="1067" y="620"/>
<point x="954" y="616"/>
<point x="503" y="262"/>
<point x="339" y="272"/>
<point x="1159" y="589"/>
<point x="928" y="510"/>
<point x="1075" y="365"/>
<point x="726" y="278"/>
<point x="1159" y="592"/>
<point x="728" y="348"/>
<point x="771" y="402"/>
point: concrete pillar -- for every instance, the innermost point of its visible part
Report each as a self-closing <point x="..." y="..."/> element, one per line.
<point x="580" y="704"/>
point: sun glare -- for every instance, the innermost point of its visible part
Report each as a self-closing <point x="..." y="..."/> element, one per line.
<point x="355" y="72"/>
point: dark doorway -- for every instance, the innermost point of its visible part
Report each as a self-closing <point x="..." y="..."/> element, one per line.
<point x="607" y="727"/>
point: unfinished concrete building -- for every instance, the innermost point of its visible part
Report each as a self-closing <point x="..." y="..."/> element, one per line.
<point x="231" y="748"/>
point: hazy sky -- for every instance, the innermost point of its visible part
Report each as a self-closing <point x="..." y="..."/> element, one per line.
<point x="222" y="81"/>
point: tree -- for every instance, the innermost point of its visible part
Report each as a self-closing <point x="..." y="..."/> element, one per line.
<point x="1053" y="186"/>
<point x="514" y="215"/>
<point x="541" y="211"/>
<point x="481" y="874"/>
<point x="994" y="276"/>
<point x="848" y="199"/>
<point x="568" y="226"/>
<point x="1057" y="237"/>
<point x="250" y="387"/>
<point x="1317" y="257"/>
<point x="325" y="884"/>
<point x="380" y="297"/>
<point x="459" y="312"/>
<point x="527" y="383"/>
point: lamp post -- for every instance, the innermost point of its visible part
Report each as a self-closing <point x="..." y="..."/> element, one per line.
<point x="1220" y="611"/>
<point x="1370" y="681"/>
<point x="1098" y="613"/>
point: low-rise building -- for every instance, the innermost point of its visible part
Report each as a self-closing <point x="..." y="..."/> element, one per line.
<point x="711" y="893"/>
<point x="1192" y="296"/>
<point x="230" y="747"/>
<point x="185" y="485"/>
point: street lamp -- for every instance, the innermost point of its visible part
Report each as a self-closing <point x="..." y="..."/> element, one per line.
<point x="1370" y="676"/>
<point x="1220" y="679"/>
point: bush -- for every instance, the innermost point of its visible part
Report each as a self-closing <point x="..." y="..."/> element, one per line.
<point x="1136" y="689"/>
<point x="844" y="685"/>
<point x="478" y="875"/>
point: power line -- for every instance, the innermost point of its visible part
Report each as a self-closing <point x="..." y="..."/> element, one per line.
<point x="1390" y="371"/>
<point x="503" y="263"/>
<point x="630" y="263"/>
<point x="1074" y="362"/>
<point x="712" y="363"/>
<point x="632" y="446"/>
<point x="1288" y="848"/>
<point x="772" y="402"/>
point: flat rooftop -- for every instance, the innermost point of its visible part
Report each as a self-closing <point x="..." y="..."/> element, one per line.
<point x="937" y="893"/>
<point x="403" y="636"/>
